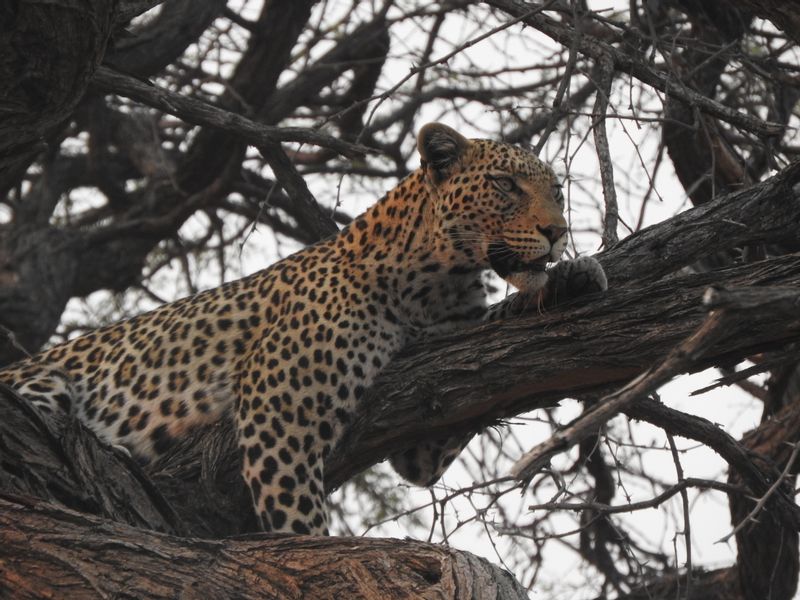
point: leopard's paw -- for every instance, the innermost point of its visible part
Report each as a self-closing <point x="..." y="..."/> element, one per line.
<point x="570" y="279"/>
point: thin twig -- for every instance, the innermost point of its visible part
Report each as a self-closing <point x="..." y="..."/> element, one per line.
<point x="687" y="531"/>
<point x="563" y="86"/>
<point x="654" y="502"/>
<point x="12" y="339"/>
<point x="605" y="72"/>
<point x="443" y="59"/>
<point x="757" y="477"/>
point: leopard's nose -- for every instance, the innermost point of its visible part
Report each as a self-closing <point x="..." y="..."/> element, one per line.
<point x="552" y="232"/>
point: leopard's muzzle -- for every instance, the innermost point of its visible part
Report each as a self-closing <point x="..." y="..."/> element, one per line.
<point x="505" y="261"/>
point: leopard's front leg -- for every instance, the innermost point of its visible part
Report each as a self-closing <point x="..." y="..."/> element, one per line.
<point x="566" y="280"/>
<point x="424" y="463"/>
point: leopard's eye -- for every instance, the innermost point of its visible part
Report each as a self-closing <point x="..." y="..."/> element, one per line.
<point x="504" y="184"/>
<point x="558" y="195"/>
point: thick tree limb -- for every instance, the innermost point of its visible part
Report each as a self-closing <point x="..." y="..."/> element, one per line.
<point x="766" y="212"/>
<point x="478" y="377"/>
<point x="473" y="378"/>
<point x="72" y="555"/>
<point x="163" y="40"/>
<point x="769" y="210"/>
<point x="469" y="380"/>
<point x="726" y="306"/>
<point x="72" y="468"/>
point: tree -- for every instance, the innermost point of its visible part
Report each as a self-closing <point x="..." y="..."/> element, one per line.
<point x="145" y="157"/>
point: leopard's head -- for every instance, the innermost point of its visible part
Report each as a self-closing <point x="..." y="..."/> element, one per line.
<point x="497" y="206"/>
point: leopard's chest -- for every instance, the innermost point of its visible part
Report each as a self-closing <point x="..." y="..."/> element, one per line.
<point x="439" y="304"/>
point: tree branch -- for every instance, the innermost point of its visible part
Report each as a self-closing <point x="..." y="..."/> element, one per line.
<point x="766" y="212"/>
<point x="198" y="112"/>
<point x="309" y="214"/>
<point x="161" y="41"/>
<point x="597" y="49"/>
<point x="682" y="357"/>
<point x="784" y="14"/>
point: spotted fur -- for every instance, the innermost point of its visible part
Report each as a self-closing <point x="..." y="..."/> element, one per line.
<point x="291" y="349"/>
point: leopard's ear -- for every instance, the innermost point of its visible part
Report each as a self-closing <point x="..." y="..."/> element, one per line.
<point x="440" y="147"/>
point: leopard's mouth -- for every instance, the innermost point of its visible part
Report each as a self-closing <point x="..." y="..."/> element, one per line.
<point x="505" y="261"/>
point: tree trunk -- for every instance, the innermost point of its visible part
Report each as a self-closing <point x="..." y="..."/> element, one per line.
<point x="48" y="52"/>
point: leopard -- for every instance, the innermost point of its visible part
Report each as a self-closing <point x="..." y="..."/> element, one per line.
<point x="289" y="351"/>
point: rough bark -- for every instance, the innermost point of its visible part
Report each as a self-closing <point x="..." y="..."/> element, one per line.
<point x="47" y="552"/>
<point x="72" y="468"/>
<point x="677" y="299"/>
<point x="764" y="213"/>
<point x="571" y="351"/>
